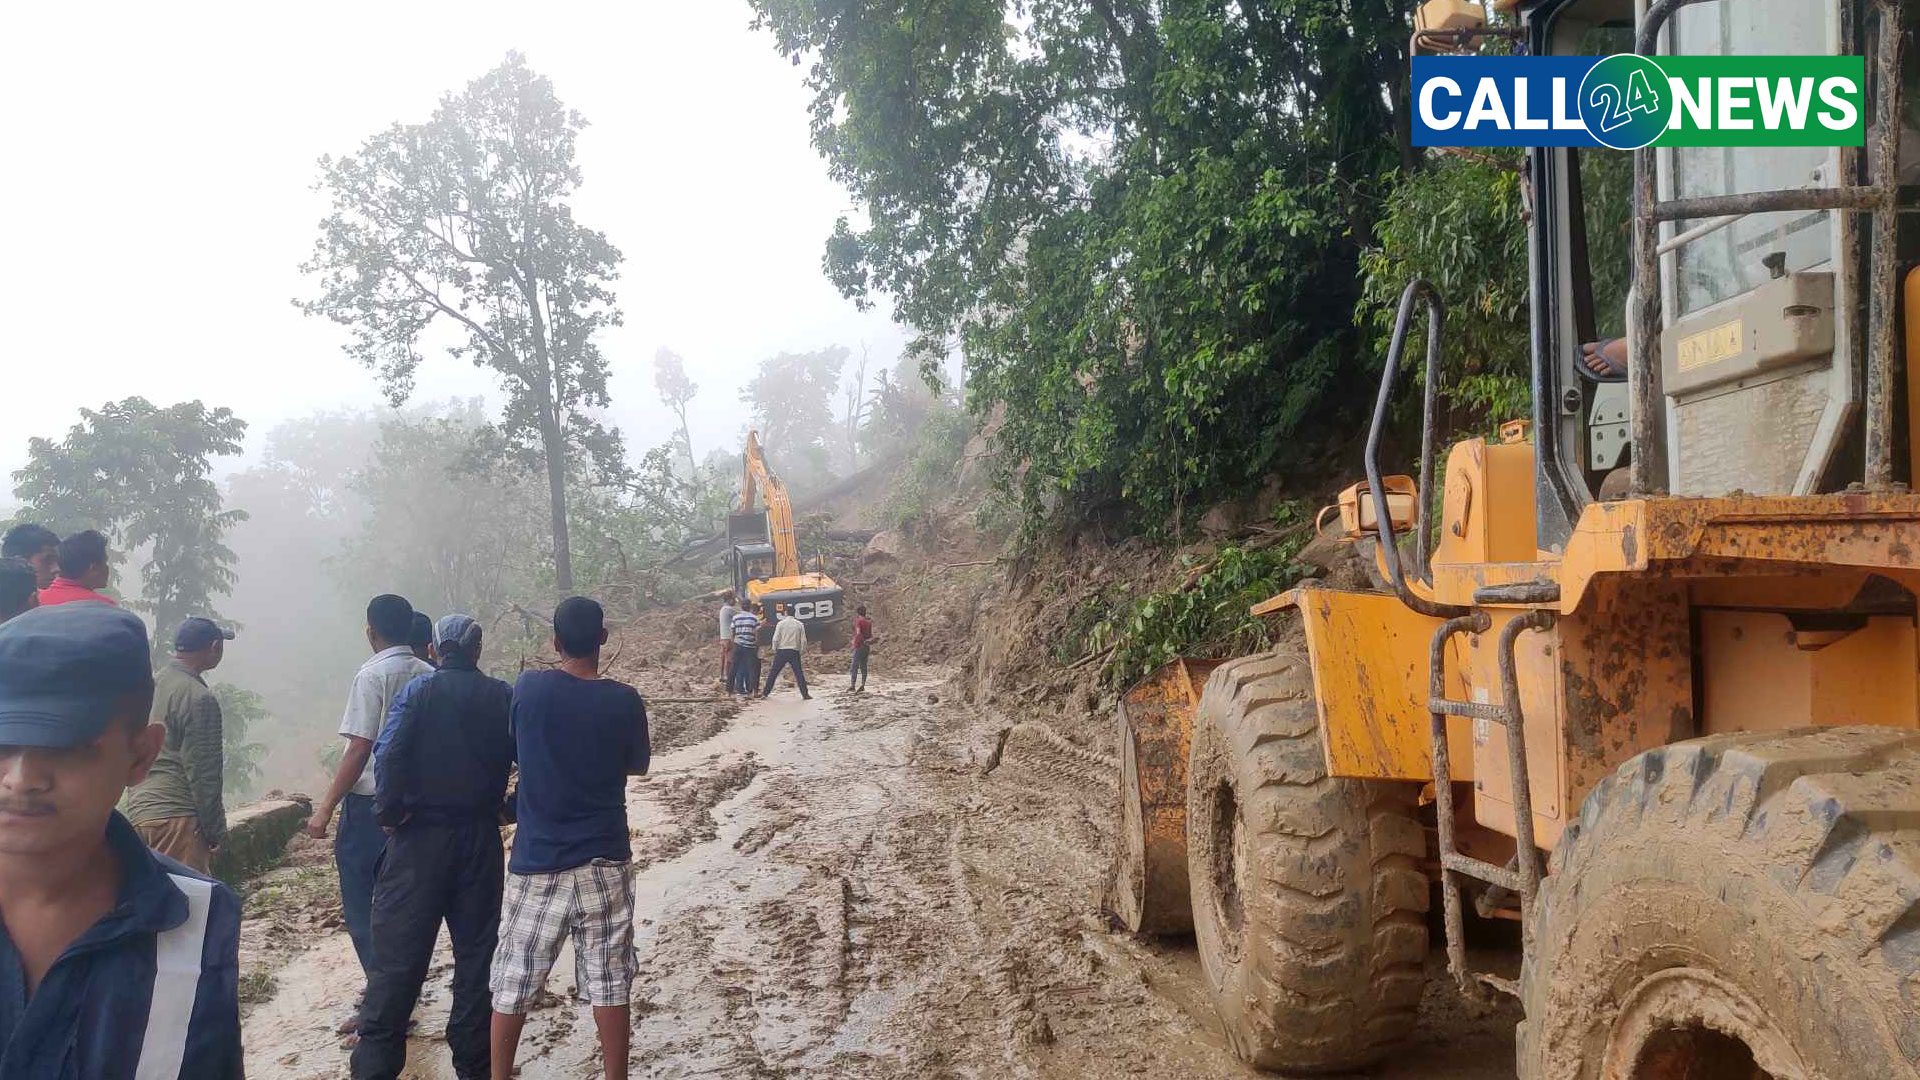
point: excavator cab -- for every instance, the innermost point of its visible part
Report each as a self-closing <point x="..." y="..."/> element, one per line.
<point x="1643" y="673"/>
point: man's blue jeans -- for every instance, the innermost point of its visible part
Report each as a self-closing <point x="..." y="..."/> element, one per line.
<point x="357" y="845"/>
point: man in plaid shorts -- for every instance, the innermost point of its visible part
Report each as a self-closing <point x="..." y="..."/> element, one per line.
<point x="577" y="737"/>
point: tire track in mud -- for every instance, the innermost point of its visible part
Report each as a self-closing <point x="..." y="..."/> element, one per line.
<point x="834" y="889"/>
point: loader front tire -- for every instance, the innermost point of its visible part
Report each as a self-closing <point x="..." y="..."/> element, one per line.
<point x="1309" y="899"/>
<point x="1739" y="907"/>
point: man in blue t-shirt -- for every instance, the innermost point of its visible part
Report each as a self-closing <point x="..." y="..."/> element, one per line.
<point x="577" y="737"/>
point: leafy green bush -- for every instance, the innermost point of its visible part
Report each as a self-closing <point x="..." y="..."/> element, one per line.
<point x="1457" y="222"/>
<point x="1206" y="616"/>
<point x="241" y="711"/>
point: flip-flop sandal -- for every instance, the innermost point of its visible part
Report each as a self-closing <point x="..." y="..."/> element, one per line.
<point x="1599" y="349"/>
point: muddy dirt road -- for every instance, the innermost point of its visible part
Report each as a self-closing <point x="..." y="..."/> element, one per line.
<point x="832" y="889"/>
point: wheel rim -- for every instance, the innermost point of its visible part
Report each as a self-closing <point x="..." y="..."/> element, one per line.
<point x="1227" y="869"/>
<point x="1689" y="1024"/>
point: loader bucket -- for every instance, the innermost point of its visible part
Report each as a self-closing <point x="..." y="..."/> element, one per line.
<point x="1156" y="723"/>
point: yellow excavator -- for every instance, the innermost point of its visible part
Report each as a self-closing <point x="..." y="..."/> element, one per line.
<point x="764" y="557"/>
<point x="1641" y="674"/>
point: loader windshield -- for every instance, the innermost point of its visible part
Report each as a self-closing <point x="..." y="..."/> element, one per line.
<point x="1728" y="262"/>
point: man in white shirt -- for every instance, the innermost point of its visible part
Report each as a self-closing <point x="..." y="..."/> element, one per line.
<point x="359" y="841"/>
<point x="727" y="612"/>
<point x="789" y="638"/>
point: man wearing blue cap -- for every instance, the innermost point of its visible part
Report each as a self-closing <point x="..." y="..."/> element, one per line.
<point x="177" y="809"/>
<point x="116" y="963"/>
<point x="440" y="767"/>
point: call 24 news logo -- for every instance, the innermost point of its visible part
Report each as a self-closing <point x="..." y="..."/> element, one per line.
<point x="1627" y="101"/>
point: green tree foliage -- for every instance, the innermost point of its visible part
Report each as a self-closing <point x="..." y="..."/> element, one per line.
<point x="791" y="399"/>
<point x="241" y="712"/>
<point x="934" y="453"/>
<point x="1141" y="222"/>
<point x="896" y="413"/>
<point x="463" y="227"/>
<point x="1457" y="223"/>
<point x="140" y="473"/>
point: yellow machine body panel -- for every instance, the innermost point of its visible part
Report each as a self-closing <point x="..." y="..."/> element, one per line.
<point x="1677" y="617"/>
<point x="1369" y="654"/>
<point x="760" y="587"/>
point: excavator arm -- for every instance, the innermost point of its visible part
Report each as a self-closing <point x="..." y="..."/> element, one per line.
<point x="786" y="552"/>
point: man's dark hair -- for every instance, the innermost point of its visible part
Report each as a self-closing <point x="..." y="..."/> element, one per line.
<point x="81" y="552"/>
<point x="420" y="632"/>
<point x="727" y="596"/>
<point x="26" y="540"/>
<point x="861" y="610"/>
<point x="391" y="617"/>
<point x="135" y="708"/>
<point x="17" y="581"/>
<point x="577" y="624"/>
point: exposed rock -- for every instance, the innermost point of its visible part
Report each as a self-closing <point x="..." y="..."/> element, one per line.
<point x="257" y="835"/>
<point x="885" y="545"/>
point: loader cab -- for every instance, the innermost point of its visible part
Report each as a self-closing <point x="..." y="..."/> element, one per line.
<point x="1760" y="374"/>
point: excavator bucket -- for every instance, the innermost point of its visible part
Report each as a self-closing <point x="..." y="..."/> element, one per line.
<point x="1156" y="723"/>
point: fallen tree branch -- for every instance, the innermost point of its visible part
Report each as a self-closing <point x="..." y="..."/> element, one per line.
<point x="1090" y="658"/>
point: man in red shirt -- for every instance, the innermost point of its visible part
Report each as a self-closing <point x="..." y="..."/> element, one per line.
<point x="83" y="570"/>
<point x="862" y="643"/>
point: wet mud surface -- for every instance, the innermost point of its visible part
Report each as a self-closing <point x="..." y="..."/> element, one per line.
<point x="834" y="889"/>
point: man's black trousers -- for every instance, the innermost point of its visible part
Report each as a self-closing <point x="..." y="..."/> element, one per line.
<point x="786" y="658"/>
<point x="432" y="872"/>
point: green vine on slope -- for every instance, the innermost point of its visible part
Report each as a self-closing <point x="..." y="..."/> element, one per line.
<point x="1207" y="614"/>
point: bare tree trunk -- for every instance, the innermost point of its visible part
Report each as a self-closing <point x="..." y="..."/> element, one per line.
<point x="686" y="440"/>
<point x="553" y="440"/>
<point x="856" y="396"/>
<point x="556" y="454"/>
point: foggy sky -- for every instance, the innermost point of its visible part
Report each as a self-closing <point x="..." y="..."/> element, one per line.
<point x="159" y="196"/>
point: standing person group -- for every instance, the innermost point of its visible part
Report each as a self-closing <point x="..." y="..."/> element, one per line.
<point x="440" y="768"/>
<point x="177" y="808"/>
<point x="742" y="631"/>
<point x="422" y="794"/>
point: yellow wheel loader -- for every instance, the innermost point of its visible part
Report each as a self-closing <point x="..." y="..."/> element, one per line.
<point x="1648" y="683"/>
<point x="763" y="556"/>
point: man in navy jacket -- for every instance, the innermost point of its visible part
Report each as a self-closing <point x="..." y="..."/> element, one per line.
<point x="115" y="963"/>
